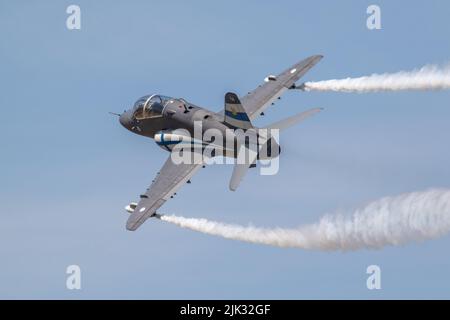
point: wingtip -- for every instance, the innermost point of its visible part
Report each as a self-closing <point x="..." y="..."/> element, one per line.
<point x="133" y="224"/>
<point x="130" y="228"/>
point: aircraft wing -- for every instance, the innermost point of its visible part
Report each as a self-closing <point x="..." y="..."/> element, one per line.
<point x="167" y="182"/>
<point x="259" y="99"/>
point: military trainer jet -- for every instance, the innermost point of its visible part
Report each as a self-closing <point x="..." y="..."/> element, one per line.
<point x="170" y="121"/>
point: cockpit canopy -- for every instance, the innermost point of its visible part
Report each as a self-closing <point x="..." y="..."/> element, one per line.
<point x="150" y="106"/>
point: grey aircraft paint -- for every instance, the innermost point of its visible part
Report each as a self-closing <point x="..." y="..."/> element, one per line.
<point x="155" y="115"/>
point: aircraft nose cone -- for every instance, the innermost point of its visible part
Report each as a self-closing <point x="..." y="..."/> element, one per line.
<point x="124" y="120"/>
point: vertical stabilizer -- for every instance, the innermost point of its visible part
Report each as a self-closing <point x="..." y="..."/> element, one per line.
<point x="235" y="115"/>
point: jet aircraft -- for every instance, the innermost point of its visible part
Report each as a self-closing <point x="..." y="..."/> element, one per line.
<point x="172" y="122"/>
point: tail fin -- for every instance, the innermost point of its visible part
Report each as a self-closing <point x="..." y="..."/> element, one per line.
<point x="235" y="115"/>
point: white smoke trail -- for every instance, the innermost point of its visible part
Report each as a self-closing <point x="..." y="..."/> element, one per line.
<point x="430" y="77"/>
<point x="389" y="221"/>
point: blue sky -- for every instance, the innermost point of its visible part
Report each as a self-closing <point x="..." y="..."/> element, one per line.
<point x="69" y="168"/>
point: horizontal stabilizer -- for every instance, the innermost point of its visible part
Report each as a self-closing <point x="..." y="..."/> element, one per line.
<point x="245" y="160"/>
<point x="291" y="121"/>
<point x="239" y="172"/>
